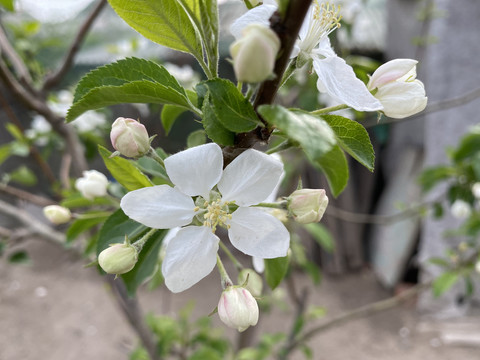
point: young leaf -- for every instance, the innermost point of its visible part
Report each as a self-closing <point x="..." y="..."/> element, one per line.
<point x="170" y="113"/>
<point x="8" y="5"/>
<point x="431" y="176"/>
<point x="444" y="282"/>
<point x="130" y="80"/>
<point x="322" y="236"/>
<point x="81" y="225"/>
<point x="124" y="171"/>
<point x="213" y="127"/>
<point x="165" y="22"/>
<point x="275" y="270"/>
<point x="469" y="145"/>
<point x="196" y="138"/>
<point x="316" y="138"/>
<point x="353" y="138"/>
<point x="233" y="111"/>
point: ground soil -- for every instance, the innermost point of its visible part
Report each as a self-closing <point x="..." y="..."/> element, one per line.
<point x="55" y="309"/>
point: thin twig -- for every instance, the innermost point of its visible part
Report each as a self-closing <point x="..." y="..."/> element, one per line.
<point x="361" y="312"/>
<point x="25" y="195"/>
<point x="65" y="171"/>
<point x="53" y="79"/>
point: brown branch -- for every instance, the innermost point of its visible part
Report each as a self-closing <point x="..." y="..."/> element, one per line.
<point x="361" y="312"/>
<point x="53" y="79"/>
<point x="131" y="309"/>
<point x="25" y="195"/>
<point x="287" y="29"/>
<point x="46" y="170"/>
<point x="36" y="104"/>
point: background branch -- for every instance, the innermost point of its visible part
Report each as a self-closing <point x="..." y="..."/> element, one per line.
<point x="53" y="79"/>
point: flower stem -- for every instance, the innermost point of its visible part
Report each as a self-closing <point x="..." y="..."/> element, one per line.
<point x="140" y="243"/>
<point x="153" y="154"/>
<point x="231" y="257"/>
<point x="93" y="215"/>
<point x="279" y="205"/>
<point x="240" y="86"/>
<point x="226" y="281"/>
<point x="292" y="66"/>
<point x="329" y="109"/>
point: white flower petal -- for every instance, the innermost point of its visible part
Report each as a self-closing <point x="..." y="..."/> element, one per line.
<point x="257" y="233"/>
<point x="159" y="207"/>
<point x="391" y="71"/>
<point x="338" y="79"/>
<point x="250" y="178"/>
<point x="197" y="170"/>
<point x="402" y="99"/>
<point x="258" y="15"/>
<point x="190" y="256"/>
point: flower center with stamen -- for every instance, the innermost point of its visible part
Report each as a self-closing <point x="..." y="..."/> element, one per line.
<point x="324" y="19"/>
<point x="217" y="214"/>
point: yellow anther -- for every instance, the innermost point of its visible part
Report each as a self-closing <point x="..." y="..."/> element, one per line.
<point x="196" y="208"/>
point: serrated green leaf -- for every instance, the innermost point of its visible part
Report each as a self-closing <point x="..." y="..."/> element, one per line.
<point x="131" y="80"/>
<point x="213" y="127"/>
<point x="233" y="111"/>
<point x="124" y="171"/>
<point x="165" y="22"/>
<point x="322" y="236"/>
<point x="444" y="282"/>
<point x="335" y="167"/>
<point x="275" y="270"/>
<point x="316" y="138"/>
<point x="353" y="138"/>
<point x="196" y="138"/>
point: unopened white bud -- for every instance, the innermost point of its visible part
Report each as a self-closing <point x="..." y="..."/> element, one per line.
<point x="461" y="209"/>
<point x="237" y="308"/>
<point x="395" y="86"/>
<point x="129" y="137"/>
<point x="57" y="214"/>
<point x="307" y="205"/>
<point x="254" y="54"/>
<point x="92" y="184"/>
<point x="118" y="259"/>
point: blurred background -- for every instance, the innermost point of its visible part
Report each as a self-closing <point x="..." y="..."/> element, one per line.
<point x="383" y="229"/>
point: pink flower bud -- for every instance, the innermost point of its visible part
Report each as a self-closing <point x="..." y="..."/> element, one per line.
<point x="254" y="54"/>
<point x="57" y="214"/>
<point x="308" y="205"/>
<point x="237" y="308"/>
<point x="394" y="84"/>
<point x="92" y="184"/>
<point x="129" y="137"/>
<point x="118" y="259"/>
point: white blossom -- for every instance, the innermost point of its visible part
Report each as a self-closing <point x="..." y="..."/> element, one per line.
<point x="461" y="209"/>
<point x="335" y="76"/>
<point x="206" y="196"/>
<point x="93" y="184"/>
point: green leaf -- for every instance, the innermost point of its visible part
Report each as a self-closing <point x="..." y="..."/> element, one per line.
<point x="444" y="282"/>
<point x="439" y="262"/>
<point x="322" y="236"/>
<point x="130" y="80"/>
<point x="23" y="175"/>
<point x="8" y="5"/>
<point x="115" y="228"/>
<point x="146" y="264"/>
<point x="4" y="152"/>
<point x="213" y="127"/>
<point x="431" y="176"/>
<point x="469" y="145"/>
<point x="335" y="167"/>
<point x="275" y="270"/>
<point x="316" y="138"/>
<point x="196" y="138"/>
<point x="169" y="115"/>
<point x="124" y="171"/>
<point x="233" y="111"/>
<point x="353" y="138"/>
<point x="165" y="22"/>
<point x="77" y="200"/>
<point x="19" y="257"/>
<point x="81" y="225"/>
